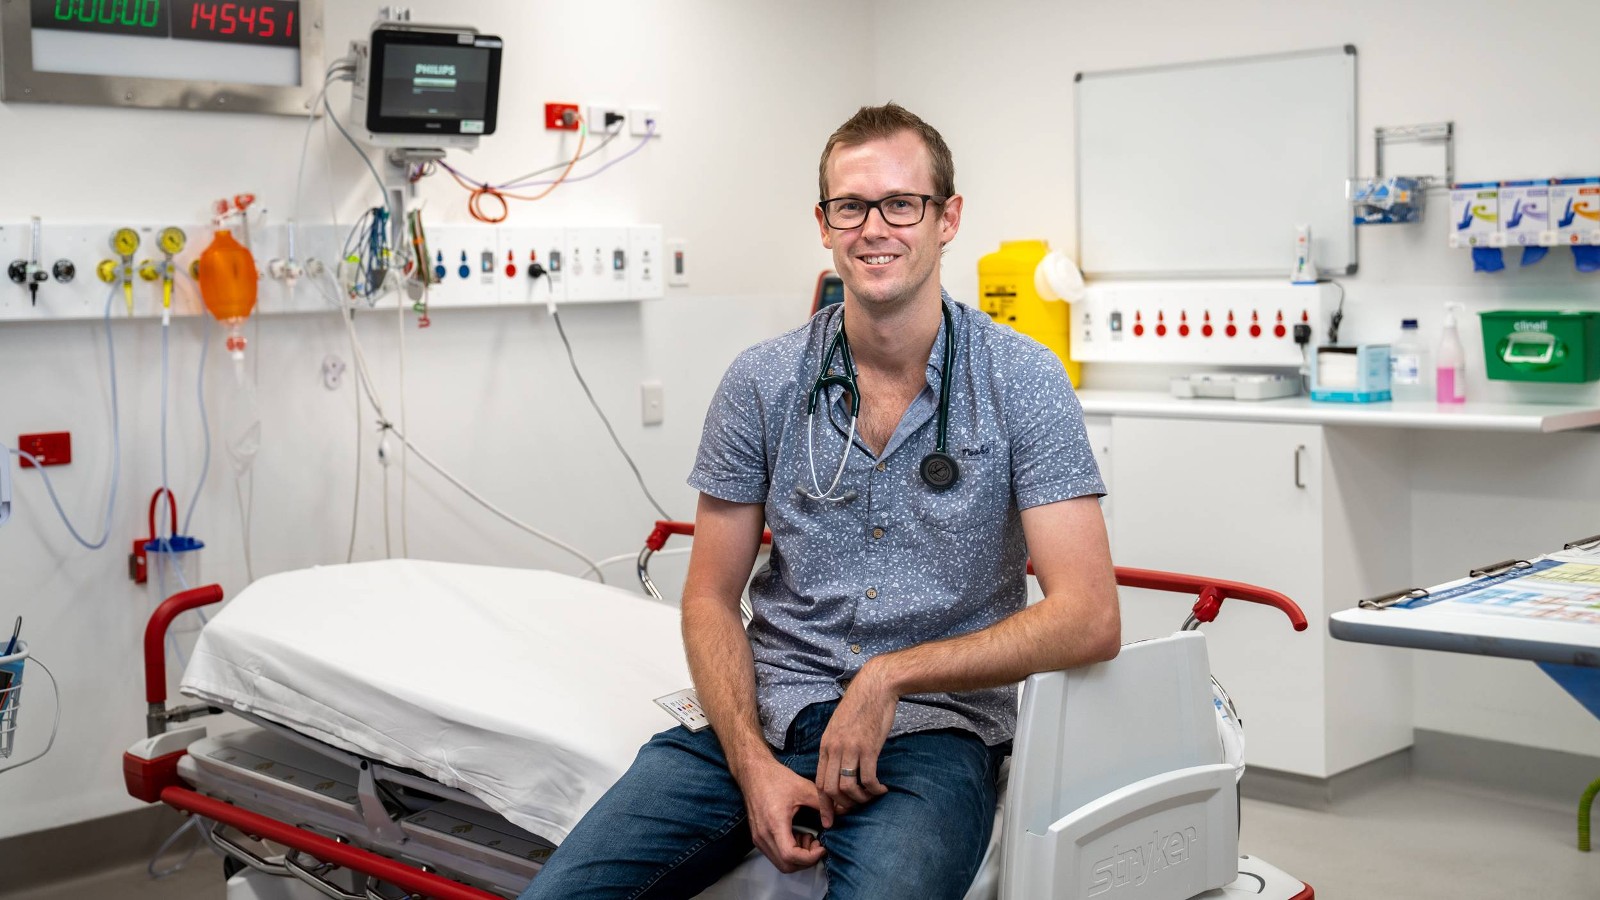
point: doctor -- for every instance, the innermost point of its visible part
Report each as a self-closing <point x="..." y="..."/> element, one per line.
<point x="908" y="455"/>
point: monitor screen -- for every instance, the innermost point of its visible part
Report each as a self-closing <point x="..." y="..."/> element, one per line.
<point x="433" y="82"/>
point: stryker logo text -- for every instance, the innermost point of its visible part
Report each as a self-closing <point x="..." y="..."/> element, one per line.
<point x="1134" y="866"/>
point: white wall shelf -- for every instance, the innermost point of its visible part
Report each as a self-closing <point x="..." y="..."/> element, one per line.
<point x="1469" y="416"/>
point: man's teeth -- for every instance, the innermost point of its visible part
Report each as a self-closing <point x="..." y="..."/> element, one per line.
<point x="877" y="260"/>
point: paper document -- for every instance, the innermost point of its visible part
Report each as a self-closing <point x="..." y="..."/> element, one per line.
<point x="1557" y="588"/>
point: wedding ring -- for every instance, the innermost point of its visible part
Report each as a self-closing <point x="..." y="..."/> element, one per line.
<point x="847" y="773"/>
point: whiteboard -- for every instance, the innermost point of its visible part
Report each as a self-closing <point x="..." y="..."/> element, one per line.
<point x="1205" y="169"/>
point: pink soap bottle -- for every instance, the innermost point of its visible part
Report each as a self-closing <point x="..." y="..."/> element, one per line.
<point x="1451" y="381"/>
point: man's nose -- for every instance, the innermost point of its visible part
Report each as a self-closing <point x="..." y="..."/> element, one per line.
<point x="875" y="225"/>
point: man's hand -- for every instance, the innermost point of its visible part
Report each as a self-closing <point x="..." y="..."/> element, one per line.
<point x="772" y="796"/>
<point x="853" y="740"/>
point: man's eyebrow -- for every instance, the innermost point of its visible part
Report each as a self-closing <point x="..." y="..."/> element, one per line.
<point x="895" y="193"/>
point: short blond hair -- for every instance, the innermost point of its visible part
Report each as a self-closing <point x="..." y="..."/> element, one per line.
<point x="877" y="122"/>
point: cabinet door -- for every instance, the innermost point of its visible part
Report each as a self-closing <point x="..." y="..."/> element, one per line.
<point x="1239" y="501"/>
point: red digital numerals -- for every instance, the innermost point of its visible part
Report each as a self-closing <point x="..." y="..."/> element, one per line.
<point x="264" y="21"/>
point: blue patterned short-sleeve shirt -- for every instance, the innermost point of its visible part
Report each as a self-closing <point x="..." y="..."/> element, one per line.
<point x="899" y="563"/>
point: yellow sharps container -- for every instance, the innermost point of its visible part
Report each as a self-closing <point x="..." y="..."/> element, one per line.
<point x="1008" y="295"/>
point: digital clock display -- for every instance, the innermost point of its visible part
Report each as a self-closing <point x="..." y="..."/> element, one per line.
<point x="271" y="23"/>
<point x="148" y="18"/>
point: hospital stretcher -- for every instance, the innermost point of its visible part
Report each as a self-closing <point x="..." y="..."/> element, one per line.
<point x="383" y="774"/>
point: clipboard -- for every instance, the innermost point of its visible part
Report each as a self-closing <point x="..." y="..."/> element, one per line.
<point x="1545" y="609"/>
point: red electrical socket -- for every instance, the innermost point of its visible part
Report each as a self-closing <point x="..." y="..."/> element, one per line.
<point x="561" y="117"/>
<point x="50" y="449"/>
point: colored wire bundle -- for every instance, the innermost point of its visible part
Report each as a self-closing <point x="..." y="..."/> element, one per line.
<point x="478" y="190"/>
<point x="367" y="255"/>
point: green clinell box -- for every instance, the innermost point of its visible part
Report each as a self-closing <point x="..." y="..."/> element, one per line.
<point x="1531" y="345"/>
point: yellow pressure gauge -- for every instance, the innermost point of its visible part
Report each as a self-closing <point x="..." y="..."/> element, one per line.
<point x="172" y="240"/>
<point x="125" y="241"/>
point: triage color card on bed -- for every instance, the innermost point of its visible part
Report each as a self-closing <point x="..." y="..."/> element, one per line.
<point x="684" y="706"/>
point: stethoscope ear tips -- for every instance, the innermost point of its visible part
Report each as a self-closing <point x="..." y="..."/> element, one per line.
<point x="939" y="470"/>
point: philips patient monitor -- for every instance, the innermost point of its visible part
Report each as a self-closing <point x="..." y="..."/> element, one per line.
<point x="427" y="86"/>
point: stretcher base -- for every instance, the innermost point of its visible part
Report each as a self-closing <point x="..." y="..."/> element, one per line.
<point x="279" y="778"/>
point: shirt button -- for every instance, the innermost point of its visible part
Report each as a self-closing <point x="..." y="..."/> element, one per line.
<point x="855" y="648"/>
<point x="872" y="593"/>
<point x="882" y="466"/>
<point x="877" y="534"/>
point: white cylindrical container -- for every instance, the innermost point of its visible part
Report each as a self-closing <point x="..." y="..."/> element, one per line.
<point x="1409" y="372"/>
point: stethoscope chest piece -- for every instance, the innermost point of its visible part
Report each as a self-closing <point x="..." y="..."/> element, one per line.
<point x="939" y="470"/>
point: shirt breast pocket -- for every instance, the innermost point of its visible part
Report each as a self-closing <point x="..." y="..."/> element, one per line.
<point x="980" y="498"/>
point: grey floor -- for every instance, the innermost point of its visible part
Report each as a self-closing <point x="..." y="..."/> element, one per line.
<point x="1411" y="838"/>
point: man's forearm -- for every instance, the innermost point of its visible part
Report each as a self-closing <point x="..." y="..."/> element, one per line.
<point x="1033" y="640"/>
<point x="724" y="677"/>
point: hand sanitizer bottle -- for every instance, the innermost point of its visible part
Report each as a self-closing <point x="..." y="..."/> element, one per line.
<point x="1408" y="365"/>
<point x="1451" y="386"/>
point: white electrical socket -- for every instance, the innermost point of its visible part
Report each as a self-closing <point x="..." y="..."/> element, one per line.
<point x="597" y="119"/>
<point x="651" y="402"/>
<point x="639" y="118"/>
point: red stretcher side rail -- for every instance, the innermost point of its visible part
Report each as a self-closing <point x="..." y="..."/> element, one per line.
<point x="1209" y="592"/>
<point x="326" y="850"/>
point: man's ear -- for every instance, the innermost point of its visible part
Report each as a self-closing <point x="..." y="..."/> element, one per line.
<point x="950" y="219"/>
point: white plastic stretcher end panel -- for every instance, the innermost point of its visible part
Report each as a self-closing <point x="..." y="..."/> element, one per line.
<point x="1083" y="733"/>
<point x="1168" y="837"/>
<point x="530" y="690"/>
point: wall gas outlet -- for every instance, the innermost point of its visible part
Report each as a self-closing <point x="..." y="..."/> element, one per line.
<point x="561" y="116"/>
<point x="522" y="248"/>
<point x="596" y="264"/>
<point x="646" y="269"/>
<point x="52" y="448"/>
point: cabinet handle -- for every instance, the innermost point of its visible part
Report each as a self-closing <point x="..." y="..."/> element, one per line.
<point x="1298" y="453"/>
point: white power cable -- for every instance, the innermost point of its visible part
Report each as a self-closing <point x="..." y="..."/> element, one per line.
<point x="355" y="503"/>
<point x="400" y="308"/>
<point x="365" y="379"/>
<point x="626" y="557"/>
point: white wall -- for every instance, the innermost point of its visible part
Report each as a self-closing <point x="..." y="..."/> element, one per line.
<point x="998" y="83"/>
<point x="745" y="110"/>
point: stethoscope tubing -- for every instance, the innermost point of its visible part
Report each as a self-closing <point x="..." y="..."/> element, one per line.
<point x="847" y="381"/>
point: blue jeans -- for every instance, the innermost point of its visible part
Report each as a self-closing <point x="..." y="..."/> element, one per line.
<point x="676" y="822"/>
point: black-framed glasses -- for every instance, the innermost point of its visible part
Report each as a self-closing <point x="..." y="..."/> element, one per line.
<point x="900" y="210"/>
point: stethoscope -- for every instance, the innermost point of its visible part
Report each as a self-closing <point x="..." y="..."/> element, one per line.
<point x="938" y="469"/>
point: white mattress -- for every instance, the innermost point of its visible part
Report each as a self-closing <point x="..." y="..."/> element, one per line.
<point x="530" y="690"/>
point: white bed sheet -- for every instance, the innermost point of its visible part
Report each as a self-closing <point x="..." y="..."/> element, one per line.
<point x="530" y="690"/>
